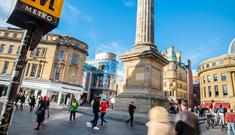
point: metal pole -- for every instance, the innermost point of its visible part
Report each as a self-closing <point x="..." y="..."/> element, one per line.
<point x="8" y="106"/>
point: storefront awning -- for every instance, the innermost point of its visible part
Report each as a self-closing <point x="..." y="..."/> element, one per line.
<point x="208" y="105"/>
<point x="217" y="105"/>
<point x="226" y="105"/>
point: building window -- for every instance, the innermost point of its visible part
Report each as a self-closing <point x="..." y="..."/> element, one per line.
<point x="2" y="48"/>
<point x="216" y="90"/>
<point x="74" y="59"/>
<point x="14" y="36"/>
<point x="204" y="91"/>
<point x="223" y="77"/>
<point x="10" y="50"/>
<point x="204" y="79"/>
<point x="209" y="91"/>
<point x="39" y="71"/>
<point x="225" y="90"/>
<point x="61" y="55"/>
<point x="213" y="64"/>
<point x="207" y="65"/>
<point x="38" y="52"/>
<point x="6" y="35"/>
<point x="57" y="74"/>
<point x="215" y="77"/>
<point x="221" y="62"/>
<point x="208" y="78"/>
<point x="33" y="70"/>
<point x="5" y="67"/>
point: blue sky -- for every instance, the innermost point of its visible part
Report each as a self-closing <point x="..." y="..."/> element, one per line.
<point x="200" y="29"/>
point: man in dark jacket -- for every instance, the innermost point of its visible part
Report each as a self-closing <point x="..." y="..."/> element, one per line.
<point x="131" y="110"/>
<point x="22" y="101"/>
<point x="32" y="103"/>
<point x="186" y="122"/>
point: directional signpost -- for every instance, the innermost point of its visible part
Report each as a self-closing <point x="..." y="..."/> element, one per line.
<point x="38" y="17"/>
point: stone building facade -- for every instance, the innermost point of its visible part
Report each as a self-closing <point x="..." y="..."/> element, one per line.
<point x="54" y="68"/>
<point x="217" y="80"/>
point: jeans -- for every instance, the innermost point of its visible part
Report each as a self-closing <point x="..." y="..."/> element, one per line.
<point x="230" y="125"/>
<point x="102" y="118"/>
<point x="96" y="118"/>
<point x="72" y="114"/>
<point x="221" y="121"/>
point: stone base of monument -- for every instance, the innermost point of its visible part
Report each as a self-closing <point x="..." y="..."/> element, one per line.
<point x="144" y="100"/>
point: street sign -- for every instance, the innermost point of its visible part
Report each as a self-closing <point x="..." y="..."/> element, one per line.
<point x="43" y="13"/>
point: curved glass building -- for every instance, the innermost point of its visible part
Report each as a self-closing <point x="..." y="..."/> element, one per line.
<point x="104" y="75"/>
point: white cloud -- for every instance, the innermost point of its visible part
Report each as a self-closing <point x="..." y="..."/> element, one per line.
<point x="129" y="3"/>
<point x="73" y="10"/>
<point x="120" y="74"/>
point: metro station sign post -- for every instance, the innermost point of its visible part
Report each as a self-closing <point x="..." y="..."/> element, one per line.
<point x="38" y="17"/>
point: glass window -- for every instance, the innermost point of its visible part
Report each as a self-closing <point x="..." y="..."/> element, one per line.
<point x="6" y="35"/>
<point x="225" y="90"/>
<point x="33" y="70"/>
<point x="5" y="67"/>
<point x="213" y="64"/>
<point x="61" y="55"/>
<point x="10" y="50"/>
<point x="204" y="91"/>
<point x="209" y="91"/>
<point x="215" y="77"/>
<point x="207" y="65"/>
<point x="208" y="78"/>
<point x="2" y="48"/>
<point x="216" y="90"/>
<point x="14" y="35"/>
<point x="204" y="79"/>
<point x="57" y="74"/>
<point x="38" y="52"/>
<point x="39" y="71"/>
<point x="221" y="62"/>
<point x="74" y="59"/>
<point x="223" y="77"/>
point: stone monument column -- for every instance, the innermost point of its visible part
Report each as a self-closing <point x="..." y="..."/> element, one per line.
<point x="143" y="66"/>
<point x="145" y="23"/>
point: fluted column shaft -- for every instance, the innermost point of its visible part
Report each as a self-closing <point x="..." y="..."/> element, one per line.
<point x="145" y="23"/>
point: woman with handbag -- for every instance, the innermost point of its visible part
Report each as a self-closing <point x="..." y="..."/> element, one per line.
<point x="40" y="112"/>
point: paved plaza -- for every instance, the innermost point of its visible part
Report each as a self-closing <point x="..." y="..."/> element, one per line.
<point x="58" y="124"/>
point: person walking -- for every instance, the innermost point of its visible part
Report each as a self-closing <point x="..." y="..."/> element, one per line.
<point x="40" y="112"/>
<point x="17" y="98"/>
<point x="230" y="119"/>
<point x="186" y="122"/>
<point x="131" y="110"/>
<point x="221" y="116"/>
<point x="47" y="102"/>
<point x="73" y="109"/>
<point x="104" y="107"/>
<point x="96" y="110"/>
<point x="22" y="101"/>
<point x="159" y="123"/>
<point x="32" y="103"/>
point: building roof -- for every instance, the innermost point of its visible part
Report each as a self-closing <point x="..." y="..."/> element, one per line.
<point x="231" y="48"/>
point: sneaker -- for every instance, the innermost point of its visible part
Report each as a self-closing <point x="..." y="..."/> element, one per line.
<point x="96" y="128"/>
<point x="88" y="124"/>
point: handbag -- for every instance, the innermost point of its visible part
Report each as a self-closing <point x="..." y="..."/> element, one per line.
<point x="38" y="112"/>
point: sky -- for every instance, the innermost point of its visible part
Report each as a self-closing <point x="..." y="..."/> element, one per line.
<point x="200" y="29"/>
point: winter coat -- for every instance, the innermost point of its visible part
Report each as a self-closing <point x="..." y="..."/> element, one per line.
<point x="157" y="128"/>
<point x="187" y="124"/>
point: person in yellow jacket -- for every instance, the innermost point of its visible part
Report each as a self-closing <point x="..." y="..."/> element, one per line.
<point x="73" y="109"/>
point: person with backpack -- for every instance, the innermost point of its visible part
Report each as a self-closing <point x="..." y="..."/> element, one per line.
<point x="221" y="115"/>
<point x="104" y="107"/>
<point x="73" y="109"/>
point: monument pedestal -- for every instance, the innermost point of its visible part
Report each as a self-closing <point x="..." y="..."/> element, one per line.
<point x="143" y="80"/>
